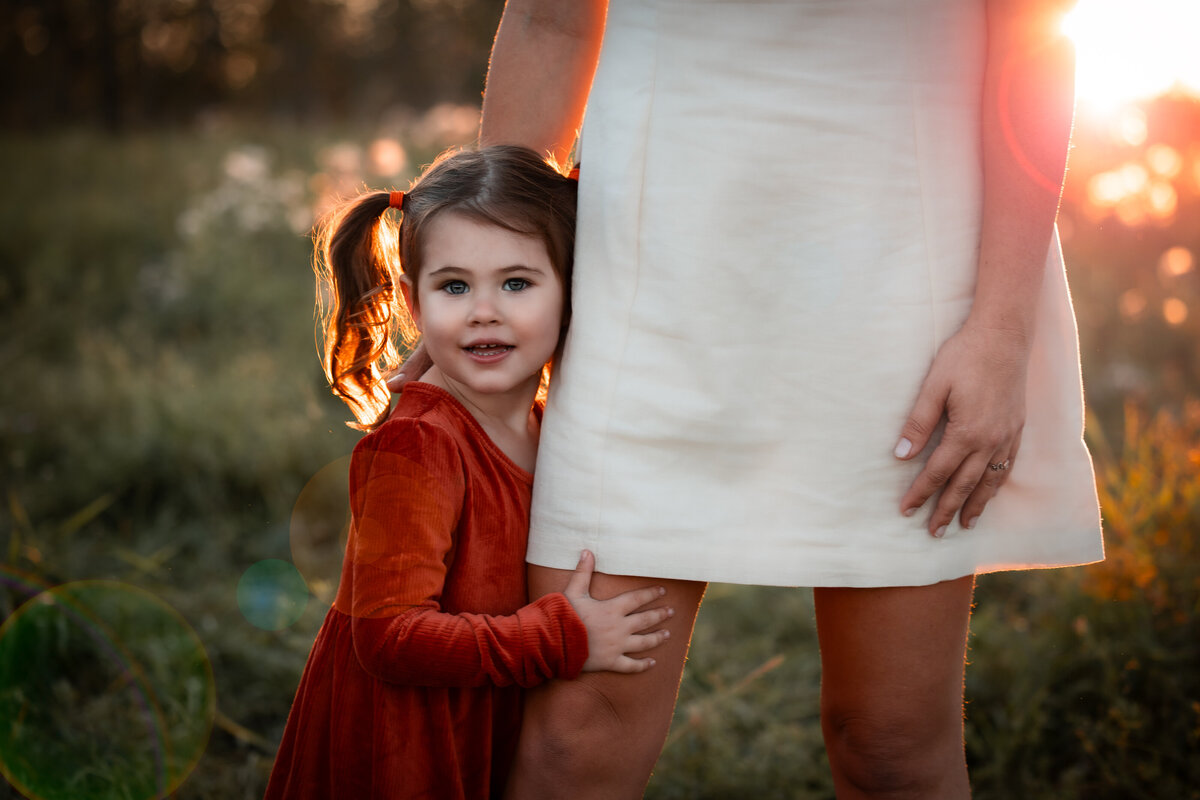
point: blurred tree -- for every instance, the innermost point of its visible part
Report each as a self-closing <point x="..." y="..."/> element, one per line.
<point x="118" y="63"/>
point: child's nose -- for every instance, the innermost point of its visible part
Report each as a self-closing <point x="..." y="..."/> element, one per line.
<point x="484" y="310"/>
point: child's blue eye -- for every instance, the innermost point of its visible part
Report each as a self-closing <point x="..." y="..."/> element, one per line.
<point x="515" y="284"/>
<point x="454" y="287"/>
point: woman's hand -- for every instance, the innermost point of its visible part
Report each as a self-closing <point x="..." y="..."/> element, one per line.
<point x="977" y="383"/>
<point x="416" y="365"/>
<point x="613" y="625"/>
<point x="977" y="380"/>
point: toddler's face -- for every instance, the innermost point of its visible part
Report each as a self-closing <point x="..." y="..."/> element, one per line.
<point x="488" y="304"/>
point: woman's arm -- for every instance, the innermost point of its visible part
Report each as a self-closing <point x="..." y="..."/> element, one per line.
<point x="1028" y="107"/>
<point x="540" y="73"/>
<point x="977" y="380"/>
<point x="538" y="81"/>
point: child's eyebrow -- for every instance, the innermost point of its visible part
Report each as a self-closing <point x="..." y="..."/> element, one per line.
<point x="451" y="269"/>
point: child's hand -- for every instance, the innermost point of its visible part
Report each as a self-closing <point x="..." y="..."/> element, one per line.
<point x="613" y="625"/>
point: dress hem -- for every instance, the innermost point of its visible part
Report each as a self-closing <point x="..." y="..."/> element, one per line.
<point x="915" y="570"/>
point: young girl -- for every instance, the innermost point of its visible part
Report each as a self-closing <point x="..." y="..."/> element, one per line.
<point x="413" y="685"/>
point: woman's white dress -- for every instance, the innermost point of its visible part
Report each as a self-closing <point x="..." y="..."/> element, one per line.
<point x="779" y="217"/>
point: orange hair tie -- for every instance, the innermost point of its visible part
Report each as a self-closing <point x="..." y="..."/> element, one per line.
<point x="574" y="173"/>
<point x="396" y="200"/>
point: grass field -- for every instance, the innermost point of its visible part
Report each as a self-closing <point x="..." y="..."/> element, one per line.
<point x="171" y="462"/>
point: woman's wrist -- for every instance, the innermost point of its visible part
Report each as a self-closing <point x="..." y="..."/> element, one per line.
<point x="1009" y="338"/>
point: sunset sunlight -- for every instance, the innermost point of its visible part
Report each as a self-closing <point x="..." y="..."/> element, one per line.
<point x="1133" y="51"/>
<point x="793" y="213"/>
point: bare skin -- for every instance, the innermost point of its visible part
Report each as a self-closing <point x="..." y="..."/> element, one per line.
<point x="599" y="736"/>
<point x="891" y="689"/>
<point x="892" y="657"/>
<point x="617" y="624"/>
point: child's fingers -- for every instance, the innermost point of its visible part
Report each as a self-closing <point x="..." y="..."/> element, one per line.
<point x="636" y="598"/>
<point x="644" y="620"/>
<point x="628" y="664"/>
<point x="640" y="642"/>
<point x="581" y="580"/>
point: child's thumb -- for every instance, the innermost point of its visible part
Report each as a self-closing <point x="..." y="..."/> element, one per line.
<point x="581" y="580"/>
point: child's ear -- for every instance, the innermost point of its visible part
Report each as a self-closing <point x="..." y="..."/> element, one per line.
<point x="409" y="293"/>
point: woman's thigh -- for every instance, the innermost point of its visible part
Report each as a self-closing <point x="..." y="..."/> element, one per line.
<point x="892" y="680"/>
<point x="605" y="727"/>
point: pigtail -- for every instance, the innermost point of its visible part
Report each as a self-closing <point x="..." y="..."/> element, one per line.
<point x="356" y="265"/>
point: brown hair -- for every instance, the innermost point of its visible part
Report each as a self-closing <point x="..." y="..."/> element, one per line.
<point x="361" y="255"/>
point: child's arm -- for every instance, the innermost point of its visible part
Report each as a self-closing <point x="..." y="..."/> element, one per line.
<point x="406" y="492"/>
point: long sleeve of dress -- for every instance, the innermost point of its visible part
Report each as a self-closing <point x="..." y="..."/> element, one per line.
<point x="410" y="507"/>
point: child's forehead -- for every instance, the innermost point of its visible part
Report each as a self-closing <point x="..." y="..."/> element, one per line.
<point x="460" y="222"/>
<point x="456" y="238"/>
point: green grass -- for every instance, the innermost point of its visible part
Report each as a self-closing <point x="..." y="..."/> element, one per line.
<point x="164" y="424"/>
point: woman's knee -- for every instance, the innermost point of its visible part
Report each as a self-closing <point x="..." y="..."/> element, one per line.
<point x="891" y="688"/>
<point x="577" y="743"/>
<point x="565" y="721"/>
<point x="894" y="754"/>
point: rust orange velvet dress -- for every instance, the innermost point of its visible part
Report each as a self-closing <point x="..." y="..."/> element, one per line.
<point x="413" y="686"/>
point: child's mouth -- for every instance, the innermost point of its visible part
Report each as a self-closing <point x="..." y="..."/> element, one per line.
<point x="488" y="350"/>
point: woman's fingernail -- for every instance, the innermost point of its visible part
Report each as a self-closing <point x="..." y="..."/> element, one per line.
<point x="940" y="532"/>
<point x="903" y="448"/>
<point x="971" y="522"/>
<point x="666" y="634"/>
<point x="908" y="512"/>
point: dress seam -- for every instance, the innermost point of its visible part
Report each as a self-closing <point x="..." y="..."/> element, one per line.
<point x="926" y="236"/>
<point x="606" y="428"/>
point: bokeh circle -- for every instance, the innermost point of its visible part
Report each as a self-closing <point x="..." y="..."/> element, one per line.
<point x="272" y="594"/>
<point x="105" y="691"/>
<point x="319" y="526"/>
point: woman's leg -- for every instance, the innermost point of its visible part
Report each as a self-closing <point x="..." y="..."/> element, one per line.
<point x="892" y="689"/>
<point x="599" y="736"/>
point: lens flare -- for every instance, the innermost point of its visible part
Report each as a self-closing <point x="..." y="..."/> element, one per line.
<point x="1132" y="51"/>
<point x="105" y="692"/>
<point x="319" y="526"/>
<point x="272" y="594"/>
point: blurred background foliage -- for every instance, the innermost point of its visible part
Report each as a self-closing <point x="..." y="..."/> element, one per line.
<point x="165" y="428"/>
<point x="130" y="63"/>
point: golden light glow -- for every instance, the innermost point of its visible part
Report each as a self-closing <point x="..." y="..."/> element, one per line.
<point x="387" y="156"/>
<point x="1137" y="193"/>
<point x="1127" y="51"/>
<point x="1130" y="126"/>
<point x="1132" y="304"/>
<point x="1175" y="311"/>
<point x="1176" y="261"/>
<point x="1164" y="160"/>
